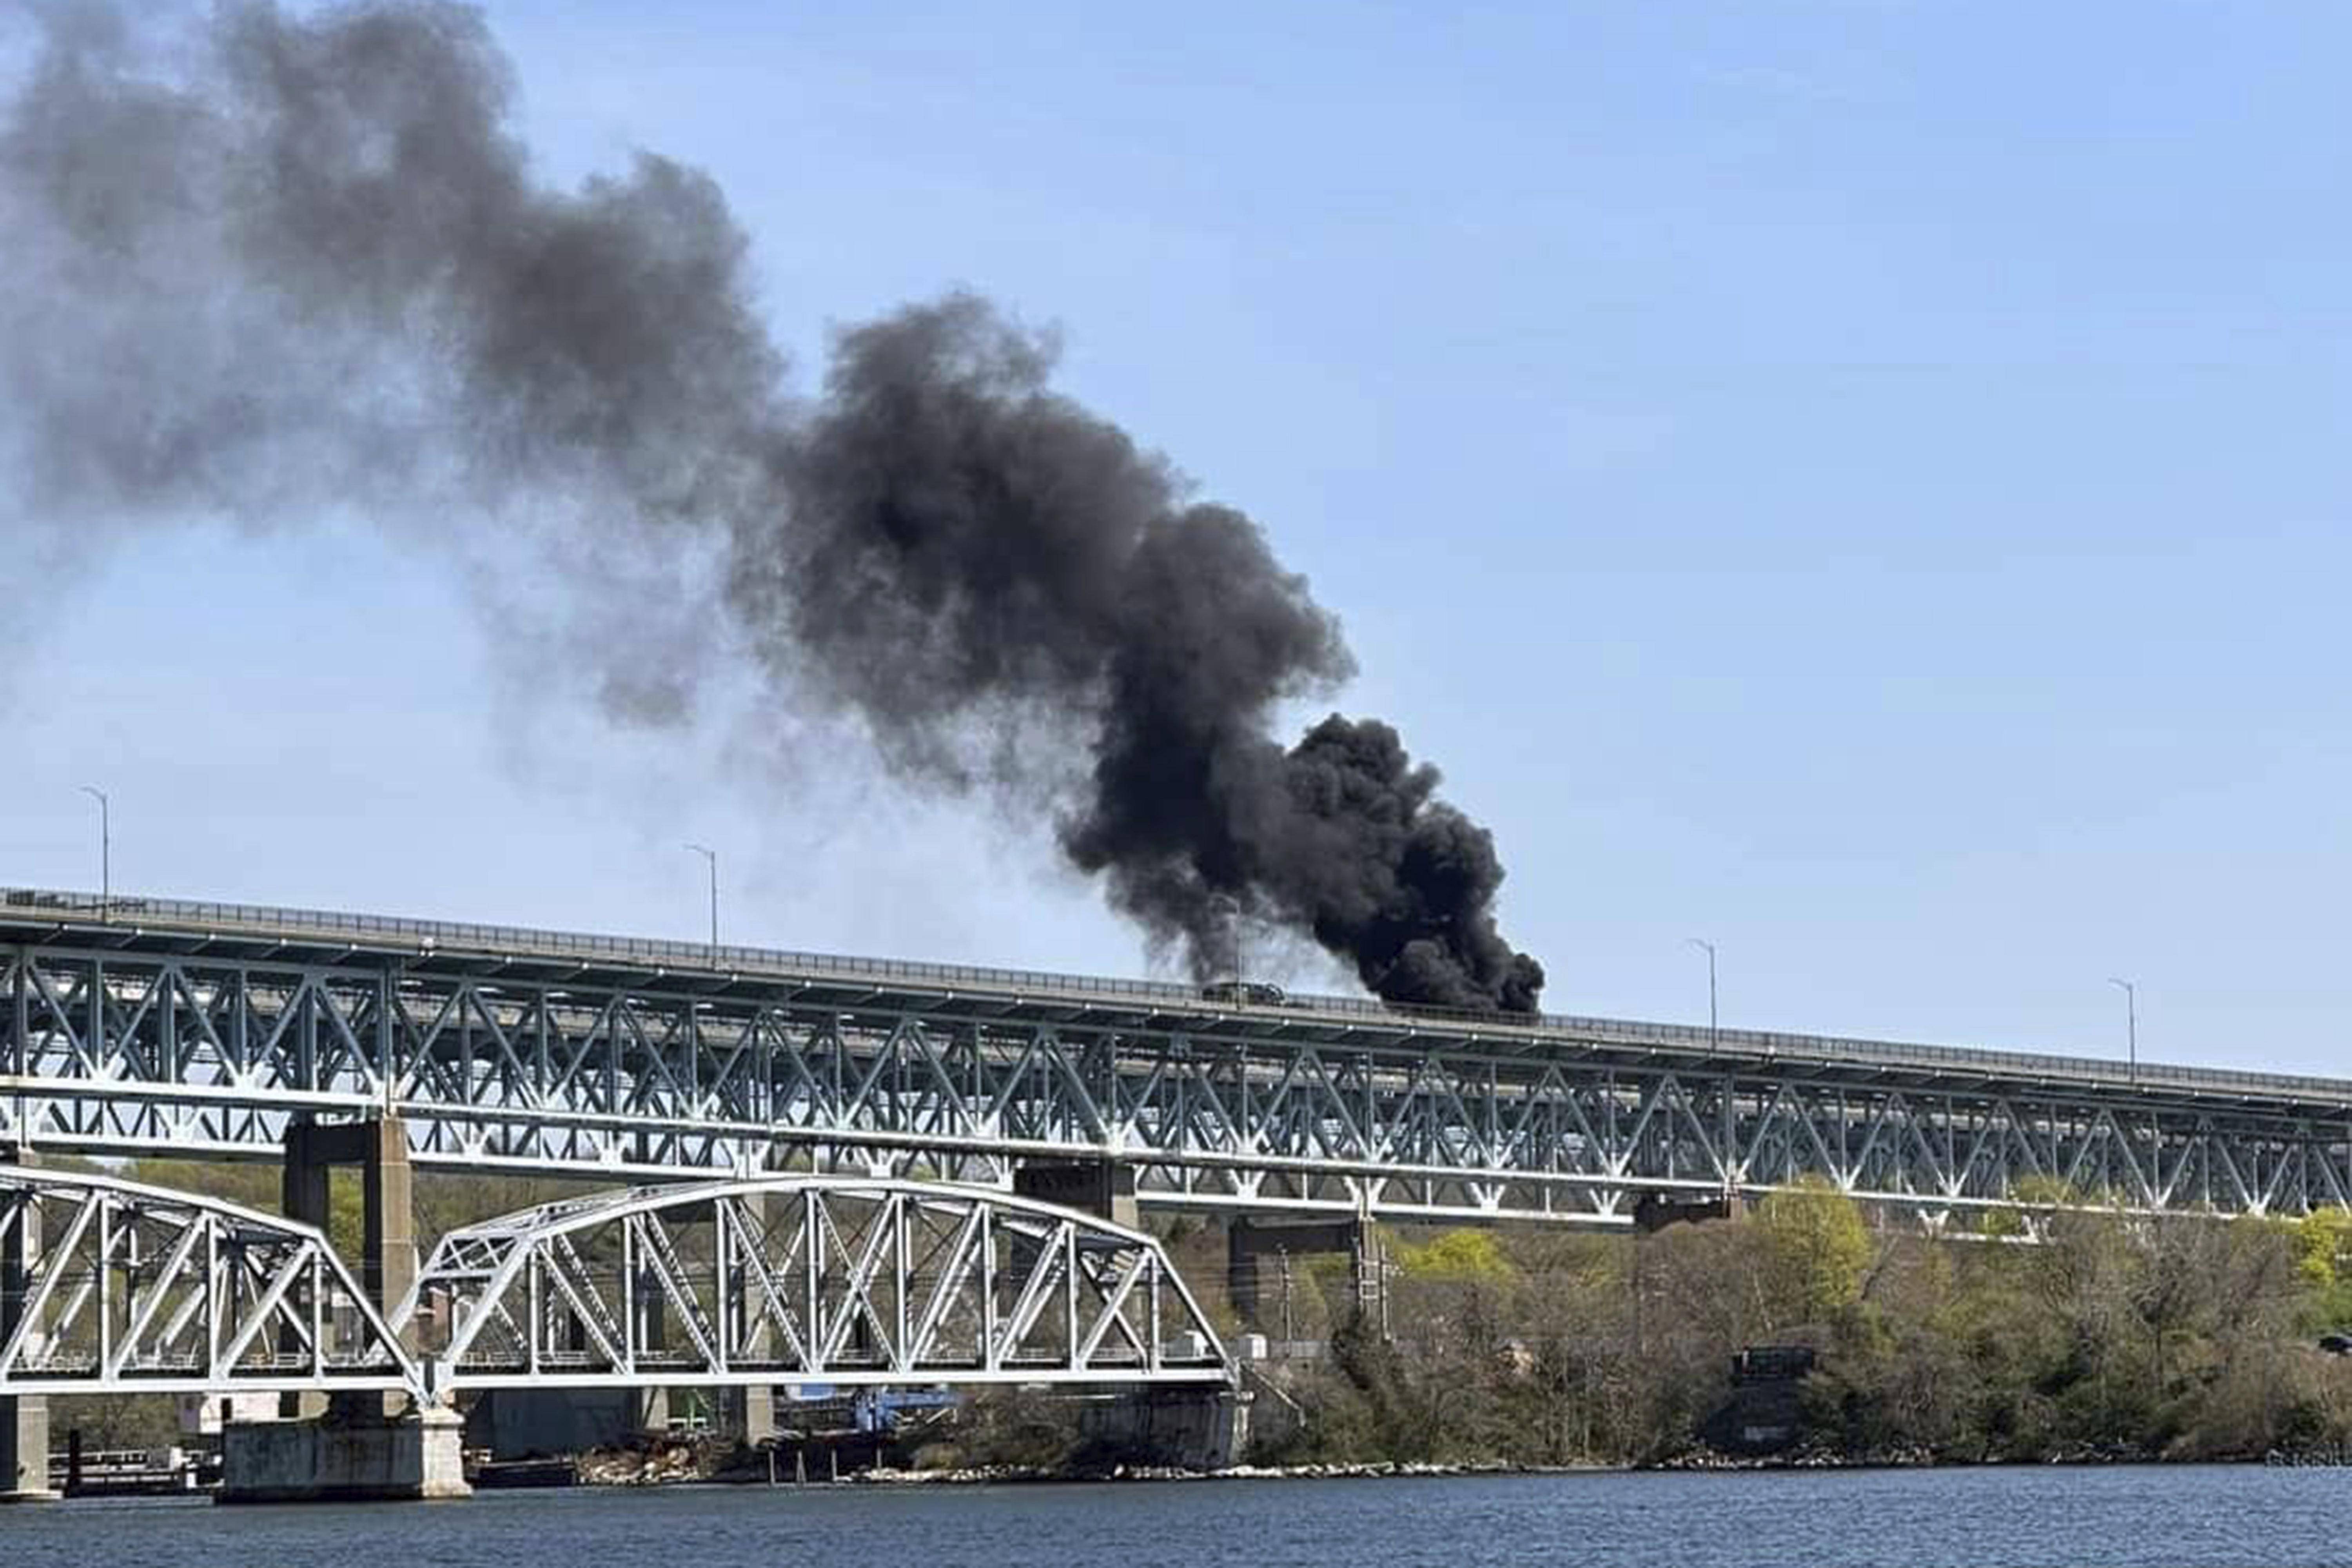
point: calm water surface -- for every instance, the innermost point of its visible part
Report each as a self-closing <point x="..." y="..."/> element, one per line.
<point x="2038" y="1517"/>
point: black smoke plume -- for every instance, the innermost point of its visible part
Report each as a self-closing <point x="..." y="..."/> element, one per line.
<point x="257" y="265"/>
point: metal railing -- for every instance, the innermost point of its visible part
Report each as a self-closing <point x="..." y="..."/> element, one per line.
<point x="457" y="938"/>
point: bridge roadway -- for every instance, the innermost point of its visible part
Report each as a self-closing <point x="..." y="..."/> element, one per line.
<point x="152" y="1027"/>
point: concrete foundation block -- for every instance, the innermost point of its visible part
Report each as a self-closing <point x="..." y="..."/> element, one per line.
<point x="25" y="1450"/>
<point x="24" y="1418"/>
<point x="416" y="1458"/>
<point x="1200" y="1428"/>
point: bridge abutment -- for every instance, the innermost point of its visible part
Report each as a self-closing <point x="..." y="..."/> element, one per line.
<point x="1197" y="1428"/>
<point x="24" y="1418"/>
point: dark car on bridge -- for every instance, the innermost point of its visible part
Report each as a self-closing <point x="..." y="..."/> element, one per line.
<point x="1254" y="992"/>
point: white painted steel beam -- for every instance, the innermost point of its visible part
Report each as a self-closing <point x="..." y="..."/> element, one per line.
<point x="135" y="1288"/>
<point x="806" y="1279"/>
<point x="151" y="1027"/>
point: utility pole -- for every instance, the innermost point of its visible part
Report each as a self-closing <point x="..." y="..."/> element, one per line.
<point x="105" y="849"/>
<point x="711" y="856"/>
<point x="1714" y="1029"/>
<point x="1641" y="1340"/>
<point x="2131" y="1026"/>
<point x="1289" y="1327"/>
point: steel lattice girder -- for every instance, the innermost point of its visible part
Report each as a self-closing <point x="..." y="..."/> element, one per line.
<point x="117" y="1287"/>
<point x="202" y="1041"/>
<point x="821" y="1279"/>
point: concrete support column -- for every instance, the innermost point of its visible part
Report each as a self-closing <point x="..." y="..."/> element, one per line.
<point x="751" y="1413"/>
<point x="1654" y="1211"/>
<point x="1250" y="1243"/>
<point x="379" y="1147"/>
<point x="650" y="1331"/>
<point x="388" y="1260"/>
<point x="1102" y="1187"/>
<point x="388" y="1257"/>
<point x="303" y="1170"/>
<point x="24" y="1418"/>
<point x="356" y="1446"/>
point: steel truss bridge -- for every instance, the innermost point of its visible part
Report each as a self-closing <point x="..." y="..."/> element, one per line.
<point x="115" y="1287"/>
<point x="146" y="1027"/>
<point x="111" y="1285"/>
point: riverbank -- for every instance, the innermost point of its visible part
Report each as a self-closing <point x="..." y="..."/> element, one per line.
<point x="708" y="1464"/>
<point x="675" y="1467"/>
<point x="1000" y="1475"/>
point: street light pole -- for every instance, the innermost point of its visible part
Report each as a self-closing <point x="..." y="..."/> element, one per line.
<point x="1714" y="1030"/>
<point x="1227" y="900"/>
<point x="711" y="858"/>
<point x="2131" y="1024"/>
<point x="105" y="849"/>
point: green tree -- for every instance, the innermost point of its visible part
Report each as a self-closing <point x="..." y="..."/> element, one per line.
<point x="1816" y="1250"/>
<point x="1456" y="1256"/>
<point x="2323" y="1259"/>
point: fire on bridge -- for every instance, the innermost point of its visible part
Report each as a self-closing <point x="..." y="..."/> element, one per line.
<point x="153" y="1026"/>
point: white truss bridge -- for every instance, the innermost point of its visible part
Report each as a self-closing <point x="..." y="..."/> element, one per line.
<point x="149" y="1027"/>
<point x="108" y="1286"/>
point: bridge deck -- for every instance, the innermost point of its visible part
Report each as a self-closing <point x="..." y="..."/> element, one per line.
<point x="262" y="933"/>
<point x="662" y="1056"/>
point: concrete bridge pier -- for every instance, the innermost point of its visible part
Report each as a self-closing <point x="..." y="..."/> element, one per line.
<point x="355" y="1446"/>
<point x="388" y="1260"/>
<point x="379" y="1147"/>
<point x="418" y="1457"/>
<point x="1199" y="1428"/>
<point x="749" y="1414"/>
<point x="650" y="1331"/>
<point x="1202" y="1428"/>
<point x="24" y="1418"/>
<point x="1255" y="1249"/>
<point x="1100" y="1187"/>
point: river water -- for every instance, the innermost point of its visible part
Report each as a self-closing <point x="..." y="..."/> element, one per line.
<point x="2041" y="1517"/>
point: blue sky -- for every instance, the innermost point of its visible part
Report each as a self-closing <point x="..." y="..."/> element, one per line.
<point x="1861" y="482"/>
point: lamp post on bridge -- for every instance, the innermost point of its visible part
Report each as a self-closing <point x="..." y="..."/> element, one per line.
<point x="105" y="849"/>
<point x="2131" y="1026"/>
<point x="710" y="857"/>
<point x="1714" y="1030"/>
<point x="1228" y="901"/>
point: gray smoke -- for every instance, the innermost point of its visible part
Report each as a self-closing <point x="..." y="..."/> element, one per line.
<point x="257" y="266"/>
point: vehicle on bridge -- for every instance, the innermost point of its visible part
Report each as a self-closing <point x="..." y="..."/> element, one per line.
<point x="1251" y="992"/>
<point x="152" y="1027"/>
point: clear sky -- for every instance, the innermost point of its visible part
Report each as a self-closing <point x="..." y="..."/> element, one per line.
<point x="1865" y="483"/>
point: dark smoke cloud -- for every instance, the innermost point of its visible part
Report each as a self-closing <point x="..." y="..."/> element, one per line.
<point x="257" y="266"/>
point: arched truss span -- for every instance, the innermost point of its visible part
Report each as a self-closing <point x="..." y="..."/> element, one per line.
<point x="111" y="1286"/>
<point x="805" y="1279"/>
